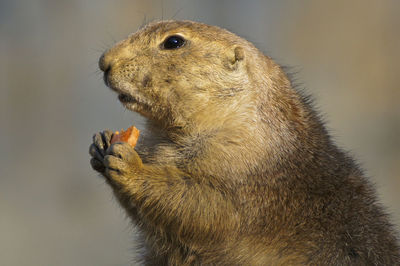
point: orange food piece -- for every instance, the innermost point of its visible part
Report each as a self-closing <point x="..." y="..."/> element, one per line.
<point x="130" y="135"/>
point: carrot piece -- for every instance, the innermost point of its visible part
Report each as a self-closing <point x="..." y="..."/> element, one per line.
<point x="130" y="135"/>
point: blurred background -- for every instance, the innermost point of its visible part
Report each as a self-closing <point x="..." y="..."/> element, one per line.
<point x="55" y="210"/>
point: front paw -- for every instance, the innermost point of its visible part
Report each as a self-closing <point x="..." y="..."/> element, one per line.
<point x="122" y="163"/>
<point x="101" y="142"/>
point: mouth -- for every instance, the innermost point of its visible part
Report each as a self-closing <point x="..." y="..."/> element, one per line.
<point x="126" y="99"/>
<point x="129" y="96"/>
<point x="130" y="102"/>
<point x="135" y="103"/>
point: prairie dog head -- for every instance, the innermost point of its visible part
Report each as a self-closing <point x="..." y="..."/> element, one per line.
<point x="181" y="72"/>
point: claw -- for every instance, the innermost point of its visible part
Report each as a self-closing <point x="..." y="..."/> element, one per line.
<point x="106" y="138"/>
<point x="98" y="141"/>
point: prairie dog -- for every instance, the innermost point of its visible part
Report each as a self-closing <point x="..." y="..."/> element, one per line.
<point x="236" y="167"/>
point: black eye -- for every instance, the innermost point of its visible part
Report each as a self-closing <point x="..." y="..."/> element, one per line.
<point x="173" y="42"/>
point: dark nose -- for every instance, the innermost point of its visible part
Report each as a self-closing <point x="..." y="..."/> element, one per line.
<point x="104" y="64"/>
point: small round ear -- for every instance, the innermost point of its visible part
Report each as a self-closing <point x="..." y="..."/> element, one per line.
<point x="239" y="53"/>
<point x="236" y="57"/>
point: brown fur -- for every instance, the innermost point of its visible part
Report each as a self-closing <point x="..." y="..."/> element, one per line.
<point x="236" y="168"/>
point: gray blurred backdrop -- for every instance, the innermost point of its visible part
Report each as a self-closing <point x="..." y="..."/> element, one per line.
<point x="54" y="210"/>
